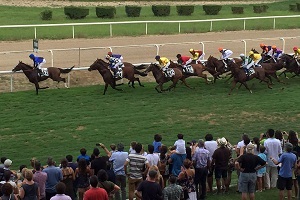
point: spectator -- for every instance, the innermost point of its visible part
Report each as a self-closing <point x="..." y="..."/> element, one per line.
<point x="256" y="144"/>
<point x="68" y="178"/>
<point x="29" y="189"/>
<point x="220" y="159"/>
<point x="99" y="162"/>
<point x="172" y="191"/>
<point x="176" y="160"/>
<point x="211" y="145"/>
<point x="240" y="144"/>
<point x="60" y="190"/>
<point x="273" y="149"/>
<point x="113" y="148"/>
<point x="157" y="143"/>
<point x="190" y="150"/>
<point x="2" y="159"/>
<point x="279" y="136"/>
<point x="293" y="139"/>
<point x="248" y="164"/>
<point x="110" y="172"/>
<point x="149" y="188"/>
<point x="40" y="178"/>
<point x="108" y="186"/>
<point x="180" y="145"/>
<point x="7" y="165"/>
<point x="95" y="193"/>
<point x="136" y="163"/>
<point x="202" y="163"/>
<point x="84" y="155"/>
<point x="6" y="176"/>
<point x="158" y="179"/>
<point x="54" y="175"/>
<point x="186" y="179"/>
<point x="152" y="158"/>
<point x="20" y="177"/>
<point x="132" y="147"/>
<point x="164" y="167"/>
<point x="71" y="163"/>
<point x="82" y="174"/>
<point x="7" y="192"/>
<point x="261" y="172"/>
<point x="288" y="162"/>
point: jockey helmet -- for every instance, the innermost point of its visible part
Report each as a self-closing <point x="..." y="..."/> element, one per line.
<point x="274" y="47"/>
<point x="262" y="45"/>
<point x="178" y="56"/>
<point x="251" y="53"/>
<point x="242" y="55"/>
<point x="157" y="57"/>
<point x="191" y="50"/>
<point x="295" y="48"/>
<point x="220" y="48"/>
<point x="31" y="56"/>
<point x="107" y="57"/>
<point x="109" y="53"/>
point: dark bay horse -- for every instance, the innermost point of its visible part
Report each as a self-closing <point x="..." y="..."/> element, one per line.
<point x="290" y="65"/>
<point x="272" y="68"/>
<point x="215" y="67"/>
<point x="161" y="79"/>
<point x="239" y="76"/>
<point x="32" y="74"/>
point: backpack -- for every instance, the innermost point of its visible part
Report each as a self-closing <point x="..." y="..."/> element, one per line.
<point x="2" y="174"/>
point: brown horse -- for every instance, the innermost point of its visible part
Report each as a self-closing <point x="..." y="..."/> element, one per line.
<point x="290" y="65"/>
<point x="272" y="68"/>
<point x="161" y="79"/>
<point x="240" y="76"/>
<point x="215" y="67"/>
<point x="33" y="76"/>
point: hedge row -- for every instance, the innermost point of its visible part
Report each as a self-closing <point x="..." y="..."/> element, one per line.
<point x="158" y="10"/>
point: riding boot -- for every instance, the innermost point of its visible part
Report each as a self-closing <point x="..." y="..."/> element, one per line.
<point x="40" y="72"/>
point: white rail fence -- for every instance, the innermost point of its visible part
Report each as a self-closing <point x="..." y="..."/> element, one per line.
<point x="179" y="22"/>
<point x="156" y="48"/>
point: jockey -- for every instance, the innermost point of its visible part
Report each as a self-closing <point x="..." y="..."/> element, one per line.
<point x="164" y="63"/>
<point x="247" y="63"/>
<point x="183" y="60"/>
<point x="115" y="64"/>
<point x="115" y="55"/>
<point x="265" y="48"/>
<point x="296" y="52"/>
<point x="256" y="57"/>
<point x="226" y="53"/>
<point x="38" y="62"/>
<point x="275" y="52"/>
<point x="197" y="55"/>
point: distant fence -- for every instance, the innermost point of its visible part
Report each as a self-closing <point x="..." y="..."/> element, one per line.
<point x="179" y="22"/>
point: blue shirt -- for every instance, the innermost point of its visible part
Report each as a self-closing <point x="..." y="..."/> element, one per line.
<point x="118" y="158"/>
<point x="86" y="157"/>
<point x="177" y="161"/>
<point x="156" y="146"/>
<point x="287" y="161"/>
<point x="54" y="175"/>
<point x="116" y="56"/>
<point x="201" y="156"/>
<point x="264" y="157"/>
<point x="37" y="60"/>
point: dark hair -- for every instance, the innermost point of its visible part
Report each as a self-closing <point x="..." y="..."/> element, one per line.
<point x="246" y="140"/>
<point x="187" y="163"/>
<point x="22" y="167"/>
<point x="94" y="181"/>
<point x="262" y="149"/>
<point x="50" y="161"/>
<point x="113" y="147"/>
<point x="6" y="175"/>
<point x="245" y="135"/>
<point x="7" y="189"/>
<point x="163" y="151"/>
<point x="132" y="144"/>
<point x="64" y="163"/>
<point x="102" y="175"/>
<point x="270" y="132"/>
<point x="69" y="158"/>
<point x="37" y="165"/>
<point x="60" y="188"/>
<point x="138" y="147"/>
<point x="83" y="151"/>
<point x="292" y="138"/>
<point x="208" y="137"/>
<point x="3" y="159"/>
<point x="82" y="165"/>
<point x="152" y="174"/>
<point x="172" y="179"/>
<point x="96" y="152"/>
<point x="256" y="141"/>
<point x="157" y="137"/>
<point x="150" y="148"/>
<point x="278" y="135"/>
<point x="180" y="136"/>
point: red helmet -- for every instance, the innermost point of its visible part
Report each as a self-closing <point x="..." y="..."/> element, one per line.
<point x="274" y="47"/>
<point x="262" y="45"/>
<point x="109" y="53"/>
<point x="295" y="48"/>
<point x="220" y="48"/>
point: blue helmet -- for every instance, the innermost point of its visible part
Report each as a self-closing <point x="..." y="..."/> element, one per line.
<point x="157" y="57"/>
<point x="31" y="56"/>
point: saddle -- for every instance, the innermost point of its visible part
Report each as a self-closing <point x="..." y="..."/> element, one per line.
<point x="42" y="72"/>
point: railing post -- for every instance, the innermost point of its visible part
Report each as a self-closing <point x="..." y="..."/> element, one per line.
<point x="274" y="23"/>
<point x="79" y="54"/>
<point x="110" y="30"/>
<point x="203" y="49"/>
<point x="245" y="46"/>
<point x="283" y="44"/>
<point x="73" y="30"/>
<point x="157" y="49"/>
<point x="146" y="28"/>
<point x="110" y="49"/>
<point x="11" y="83"/>
<point x="52" y="59"/>
<point x="210" y="26"/>
<point x="34" y="32"/>
<point x="244" y="24"/>
<point x="179" y="27"/>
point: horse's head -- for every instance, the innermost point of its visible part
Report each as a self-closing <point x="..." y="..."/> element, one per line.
<point x="211" y="62"/>
<point x="21" y="66"/>
<point x="97" y="65"/>
<point x="254" y="50"/>
<point x="152" y="67"/>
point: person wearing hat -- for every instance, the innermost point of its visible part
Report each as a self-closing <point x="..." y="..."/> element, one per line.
<point x="247" y="63"/>
<point x="184" y="61"/>
<point x="220" y="159"/>
<point x="288" y="162"/>
<point x="248" y="164"/>
<point x="275" y="53"/>
<point x="116" y="65"/>
<point x="197" y="56"/>
<point x="265" y="48"/>
<point x="256" y="57"/>
<point x="111" y="54"/>
<point x="164" y="63"/>
<point x="225" y="54"/>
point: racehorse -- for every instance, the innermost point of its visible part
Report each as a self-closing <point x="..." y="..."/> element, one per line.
<point x="265" y="58"/>
<point x="291" y="65"/>
<point x="272" y="68"/>
<point x="161" y="79"/>
<point x="32" y="74"/>
<point x="240" y="76"/>
<point x="215" y="67"/>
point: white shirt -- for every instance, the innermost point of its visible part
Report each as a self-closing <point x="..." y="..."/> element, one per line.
<point x="226" y="54"/>
<point x="211" y="146"/>
<point x="273" y="149"/>
<point x="180" y="146"/>
<point x="152" y="159"/>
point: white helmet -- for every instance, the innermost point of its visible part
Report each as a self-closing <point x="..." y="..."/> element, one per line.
<point x="242" y="55"/>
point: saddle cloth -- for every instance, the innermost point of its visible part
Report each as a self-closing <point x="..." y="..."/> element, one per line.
<point x="119" y="72"/>
<point x="169" y="73"/>
<point x="44" y="72"/>
<point x="188" y="69"/>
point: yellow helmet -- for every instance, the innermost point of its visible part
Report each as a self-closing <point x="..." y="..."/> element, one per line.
<point x="251" y="53"/>
<point x="191" y="50"/>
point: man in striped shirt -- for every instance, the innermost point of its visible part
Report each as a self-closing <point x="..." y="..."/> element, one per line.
<point x="137" y="163"/>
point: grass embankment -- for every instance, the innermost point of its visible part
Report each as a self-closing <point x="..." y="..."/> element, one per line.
<point x="31" y="15"/>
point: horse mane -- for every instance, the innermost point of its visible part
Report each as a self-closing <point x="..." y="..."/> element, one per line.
<point x="27" y="65"/>
<point x="254" y="50"/>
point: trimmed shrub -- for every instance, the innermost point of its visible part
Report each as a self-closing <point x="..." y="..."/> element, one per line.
<point x="46" y="15"/>
<point x="298" y="6"/>
<point x="185" y="10"/>
<point x="260" y="8"/>
<point x="237" y="10"/>
<point x="133" y="11"/>
<point x="161" y="10"/>
<point x="293" y="7"/>
<point x="106" y="11"/>
<point x="212" y="9"/>
<point x="76" y="12"/>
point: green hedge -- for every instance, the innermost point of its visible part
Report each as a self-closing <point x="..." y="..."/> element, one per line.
<point x="260" y="8"/>
<point x="161" y="10"/>
<point x="298" y="6"/>
<point x="237" y="10"/>
<point x="293" y="7"/>
<point x="76" y="12"/>
<point x="185" y="10"/>
<point x="133" y="11"/>
<point x="106" y="11"/>
<point x="46" y="15"/>
<point x="212" y="9"/>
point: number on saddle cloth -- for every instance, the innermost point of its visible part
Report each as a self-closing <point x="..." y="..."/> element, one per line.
<point x="170" y="73"/>
<point x="188" y="69"/>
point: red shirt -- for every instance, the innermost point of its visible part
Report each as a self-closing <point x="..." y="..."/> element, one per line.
<point x="95" y="194"/>
<point x="184" y="59"/>
<point x="199" y="51"/>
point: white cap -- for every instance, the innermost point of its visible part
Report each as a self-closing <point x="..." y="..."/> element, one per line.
<point x="7" y="162"/>
<point x="242" y="55"/>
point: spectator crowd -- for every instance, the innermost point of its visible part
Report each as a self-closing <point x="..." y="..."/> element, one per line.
<point x="186" y="170"/>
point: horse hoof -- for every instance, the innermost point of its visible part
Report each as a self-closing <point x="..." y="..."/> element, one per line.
<point x="142" y="85"/>
<point x="251" y="91"/>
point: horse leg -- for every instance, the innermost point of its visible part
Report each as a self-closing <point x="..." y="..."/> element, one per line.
<point x="36" y="88"/>
<point x="138" y="80"/>
<point x="277" y="78"/>
<point x="173" y="85"/>
<point x="246" y="86"/>
<point x="229" y="78"/>
<point x="160" y="86"/>
<point x="105" y="88"/>
<point x="232" y="87"/>
<point x="185" y="83"/>
<point x="132" y="83"/>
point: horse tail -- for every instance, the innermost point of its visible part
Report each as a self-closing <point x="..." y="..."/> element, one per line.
<point x="139" y="73"/>
<point x="65" y="71"/>
<point x="142" y="66"/>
